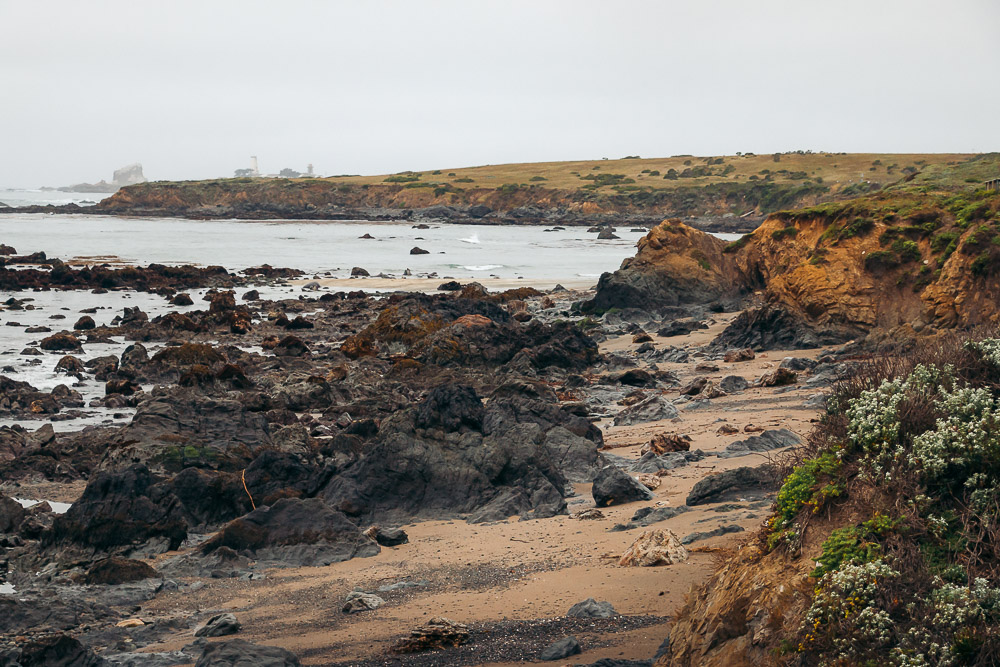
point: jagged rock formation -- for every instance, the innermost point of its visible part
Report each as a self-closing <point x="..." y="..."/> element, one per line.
<point x="675" y="265"/>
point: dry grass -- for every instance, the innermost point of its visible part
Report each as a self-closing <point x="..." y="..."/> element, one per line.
<point x="837" y="170"/>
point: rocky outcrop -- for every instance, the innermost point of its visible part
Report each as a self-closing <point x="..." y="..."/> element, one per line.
<point x="294" y="532"/>
<point x="900" y="261"/>
<point x="674" y="265"/>
<point x="451" y="455"/>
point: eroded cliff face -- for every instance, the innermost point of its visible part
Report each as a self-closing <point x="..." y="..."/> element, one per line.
<point x="740" y="615"/>
<point x="674" y="265"/>
<point x="265" y="198"/>
<point x="912" y="261"/>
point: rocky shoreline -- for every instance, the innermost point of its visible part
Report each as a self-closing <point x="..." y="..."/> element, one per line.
<point x="462" y="215"/>
<point x="314" y="433"/>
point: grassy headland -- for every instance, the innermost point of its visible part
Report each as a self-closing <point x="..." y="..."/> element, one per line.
<point x="582" y="192"/>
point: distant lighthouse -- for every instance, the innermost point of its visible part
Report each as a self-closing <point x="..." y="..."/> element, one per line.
<point x="253" y="165"/>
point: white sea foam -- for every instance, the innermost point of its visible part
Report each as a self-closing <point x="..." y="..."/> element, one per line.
<point x="483" y="267"/>
<point x="472" y="239"/>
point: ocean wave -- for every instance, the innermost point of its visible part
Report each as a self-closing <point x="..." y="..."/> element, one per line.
<point x="472" y="239"/>
<point x="483" y="267"/>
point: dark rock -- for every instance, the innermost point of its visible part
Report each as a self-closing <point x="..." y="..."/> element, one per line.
<point x="391" y="537"/>
<point x="772" y="327"/>
<point x="182" y="299"/>
<point x="450" y="286"/>
<point x="290" y="346"/>
<point x="797" y="364"/>
<point x="294" y="532"/>
<point x="716" y="532"/>
<point x="358" y="271"/>
<point x="219" y="625"/>
<point x="591" y="608"/>
<point x="563" y="648"/>
<point x="120" y="511"/>
<point x="733" y="484"/>
<point x="765" y="442"/>
<point x="85" y="323"/>
<point x="635" y="377"/>
<point x="241" y="653"/>
<point x="115" y="570"/>
<point x="732" y="384"/>
<point x="680" y="328"/>
<point x="434" y="461"/>
<point x="11" y="514"/>
<point x="612" y="486"/>
<point x="654" y="408"/>
<point x="419" y="251"/>
<point x="58" y="650"/>
<point x="61" y="342"/>
<point x="694" y="387"/>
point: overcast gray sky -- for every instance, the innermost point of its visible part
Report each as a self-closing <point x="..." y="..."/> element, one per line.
<point x="192" y="89"/>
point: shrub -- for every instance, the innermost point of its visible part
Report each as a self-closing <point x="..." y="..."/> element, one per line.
<point x="401" y="178"/>
<point x="787" y="232"/>
<point x="738" y="243"/>
<point x="880" y="260"/>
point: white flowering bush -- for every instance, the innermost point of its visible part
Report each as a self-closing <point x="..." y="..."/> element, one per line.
<point x="911" y="574"/>
<point x="848" y="607"/>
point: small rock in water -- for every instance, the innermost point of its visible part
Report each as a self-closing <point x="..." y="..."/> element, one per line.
<point x="419" y="251"/>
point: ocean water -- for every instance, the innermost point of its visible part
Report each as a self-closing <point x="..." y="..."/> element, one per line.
<point x="21" y="197"/>
<point x="465" y="252"/>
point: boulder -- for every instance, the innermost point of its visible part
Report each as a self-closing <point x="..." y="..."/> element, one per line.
<point x="294" y="532"/>
<point x="241" y="653"/>
<point x="85" y="323"/>
<point x="358" y="601"/>
<point x="290" y="346"/>
<point x="654" y="408"/>
<point x="419" y="251"/>
<point x="450" y="455"/>
<point x="69" y="365"/>
<point x="745" y="482"/>
<point x="56" y="650"/>
<point x="121" y="511"/>
<point x="61" y="342"/>
<point x="358" y="271"/>
<point x="115" y="570"/>
<point x="612" y="486"/>
<point x="561" y="649"/>
<point x="591" y="608"/>
<point x="219" y="625"/>
<point x="11" y="514"/>
<point x="780" y="377"/>
<point x="732" y="384"/>
<point x="738" y="355"/>
<point x="765" y="442"/>
<point x="653" y="548"/>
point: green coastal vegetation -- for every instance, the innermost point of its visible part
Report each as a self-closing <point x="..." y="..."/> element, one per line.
<point x="900" y="486"/>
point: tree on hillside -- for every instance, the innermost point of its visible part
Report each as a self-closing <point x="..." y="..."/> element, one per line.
<point x="243" y="173"/>
<point x="289" y="173"/>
